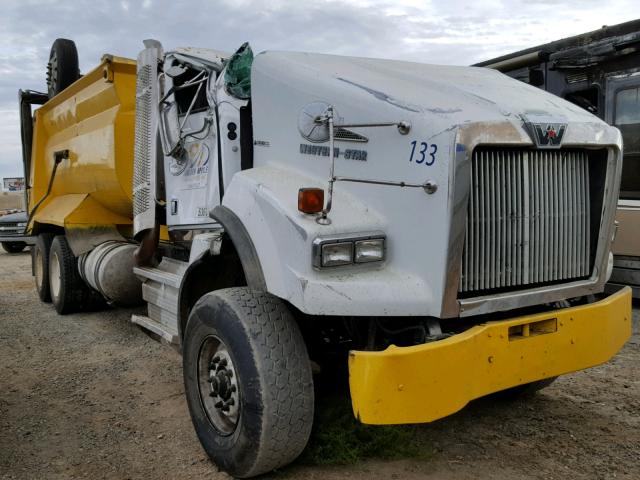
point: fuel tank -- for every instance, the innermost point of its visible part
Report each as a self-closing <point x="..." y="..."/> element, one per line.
<point x="89" y="127"/>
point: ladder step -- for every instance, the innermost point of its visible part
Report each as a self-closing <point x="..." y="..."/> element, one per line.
<point x="158" y="275"/>
<point x="163" y="331"/>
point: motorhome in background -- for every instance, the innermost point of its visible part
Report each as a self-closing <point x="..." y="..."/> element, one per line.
<point x="599" y="71"/>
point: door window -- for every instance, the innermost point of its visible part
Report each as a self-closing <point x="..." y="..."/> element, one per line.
<point x="627" y="119"/>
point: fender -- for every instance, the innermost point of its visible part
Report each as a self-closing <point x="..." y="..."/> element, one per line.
<point x="212" y="269"/>
<point x="199" y="271"/>
<point x="265" y="199"/>
<point x="183" y="301"/>
<point x="244" y="246"/>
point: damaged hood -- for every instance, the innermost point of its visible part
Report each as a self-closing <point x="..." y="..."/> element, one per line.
<point x="412" y="182"/>
<point x="454" y="94"/>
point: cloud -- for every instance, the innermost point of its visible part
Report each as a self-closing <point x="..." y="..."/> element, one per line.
<point x="451" y="32"/>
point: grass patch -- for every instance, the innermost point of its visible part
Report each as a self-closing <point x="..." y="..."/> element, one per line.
<point x="339" y="439"/>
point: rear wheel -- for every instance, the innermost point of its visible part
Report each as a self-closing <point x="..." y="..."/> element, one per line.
<point x="13" y="247"/>
<point x="62" y="68"/>
<point x="69" y="293"/>
<point x="248" y="381"/>
<point x="40" y="260"/>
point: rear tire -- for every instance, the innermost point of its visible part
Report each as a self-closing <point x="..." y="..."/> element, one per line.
<point x="13" y="247"/>
<point x="258" y="341"/>
<point x="62" y="68"/>
<point x="40" y="262"/>
<point x="69" y="293"/>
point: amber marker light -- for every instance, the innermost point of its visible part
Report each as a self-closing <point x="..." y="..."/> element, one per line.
<point x="310" y="200"/>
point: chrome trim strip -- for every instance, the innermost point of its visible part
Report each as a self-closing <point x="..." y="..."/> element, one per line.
<point x="529" y="297"/>
<point x="459" y="186"/>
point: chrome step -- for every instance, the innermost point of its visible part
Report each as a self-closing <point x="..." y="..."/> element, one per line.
<point x="161" y="289"/>
<point x="167" y="334"/>
<point x="169" y="272"/>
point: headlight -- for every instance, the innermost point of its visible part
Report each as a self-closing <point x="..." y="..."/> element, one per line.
<point x="334" y="254"/>
<point x="369" y="250"/>
<point x="338" y="250"/>
<point x="23" y="224"/>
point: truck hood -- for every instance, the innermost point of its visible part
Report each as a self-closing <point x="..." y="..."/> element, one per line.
<point x="451" y="110"/>
<point x="453" y="94"/>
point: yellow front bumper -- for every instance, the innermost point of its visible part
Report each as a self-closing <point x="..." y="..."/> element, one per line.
<point x="426" y="382"/>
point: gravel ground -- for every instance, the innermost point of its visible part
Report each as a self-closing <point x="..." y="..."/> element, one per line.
<point x="90" y="395"/>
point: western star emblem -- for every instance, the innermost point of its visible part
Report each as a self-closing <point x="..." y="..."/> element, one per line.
<point x="548" y="135"/>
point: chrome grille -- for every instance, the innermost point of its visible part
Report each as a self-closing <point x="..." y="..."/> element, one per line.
<point x="528" y="219"/>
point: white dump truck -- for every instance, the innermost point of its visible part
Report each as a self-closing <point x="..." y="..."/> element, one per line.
<point x="443" y="231"/>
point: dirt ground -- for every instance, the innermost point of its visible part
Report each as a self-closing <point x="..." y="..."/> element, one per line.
<point x="90" y="395"/>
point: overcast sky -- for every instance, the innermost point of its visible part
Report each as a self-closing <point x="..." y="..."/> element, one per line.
<point x="436" y="31"/>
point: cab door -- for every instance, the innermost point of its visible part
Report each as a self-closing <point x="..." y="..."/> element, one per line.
<point x="190" y="146"/>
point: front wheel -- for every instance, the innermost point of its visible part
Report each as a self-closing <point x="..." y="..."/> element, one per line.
<point x="248" y="381"/>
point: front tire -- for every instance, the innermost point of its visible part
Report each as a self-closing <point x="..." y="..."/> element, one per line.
<point x="248" y="381"/>
<point x="13" y="247"/>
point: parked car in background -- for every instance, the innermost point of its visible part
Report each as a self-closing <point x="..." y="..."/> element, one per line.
<point x="12" y="235"/>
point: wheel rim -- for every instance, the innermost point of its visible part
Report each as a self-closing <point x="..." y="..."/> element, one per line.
<point x="39" y="268"/>
<point x="54" y="275"/>
<point x="218" y="382"/>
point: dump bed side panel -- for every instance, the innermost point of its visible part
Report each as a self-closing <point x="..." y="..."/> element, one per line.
<point x="94" y="120"/>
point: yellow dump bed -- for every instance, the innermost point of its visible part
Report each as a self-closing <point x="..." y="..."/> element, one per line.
<point x="93" y="119"/>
